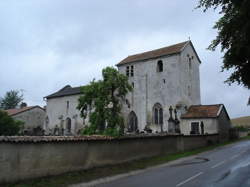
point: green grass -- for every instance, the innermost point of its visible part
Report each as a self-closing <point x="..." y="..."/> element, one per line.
<point x="95" y="173"/>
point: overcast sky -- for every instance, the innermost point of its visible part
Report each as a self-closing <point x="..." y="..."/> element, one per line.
<point x="47" y="44"/>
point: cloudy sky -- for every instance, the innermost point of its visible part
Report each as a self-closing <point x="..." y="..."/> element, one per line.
<point x="45" y="45"/>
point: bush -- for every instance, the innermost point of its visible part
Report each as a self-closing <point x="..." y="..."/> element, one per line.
<point x="112" y="132"/>
<point x="241" y="128"/>
<point x="8" y="126"/>
<point x="91" y="130"/>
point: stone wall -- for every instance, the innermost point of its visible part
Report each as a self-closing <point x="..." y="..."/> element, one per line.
<point x="31" y="157"/>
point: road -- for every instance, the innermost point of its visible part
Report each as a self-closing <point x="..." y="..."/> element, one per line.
<point x="227" y="166"/>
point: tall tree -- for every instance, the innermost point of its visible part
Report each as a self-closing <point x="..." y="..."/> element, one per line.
<point x="102" y="102"/>
<point x="233" y="37"/>
<point x="11" y="100"/>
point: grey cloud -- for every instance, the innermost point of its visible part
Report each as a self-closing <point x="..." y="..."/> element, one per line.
<point x="47" y="44"/>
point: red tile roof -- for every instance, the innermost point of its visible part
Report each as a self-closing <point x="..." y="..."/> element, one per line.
<point x="15" y="111"/>
<point x="169" y="50"/>
<point x="203" y="111"/>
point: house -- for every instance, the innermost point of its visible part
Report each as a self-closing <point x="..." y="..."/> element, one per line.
<point x="32" y="116"/>
<point x="62" y="117"/>
<point x="206" y="119"/>
<point x="165" y="81"/>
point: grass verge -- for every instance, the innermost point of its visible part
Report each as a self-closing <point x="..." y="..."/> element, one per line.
<point x="95" y="173"/>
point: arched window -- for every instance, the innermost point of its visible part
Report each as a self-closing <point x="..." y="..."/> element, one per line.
<point x="159" y="66"/>
<point x="132" y="122"/>
<point x="158" y="114"/>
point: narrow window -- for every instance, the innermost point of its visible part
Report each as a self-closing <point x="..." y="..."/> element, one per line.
<point x="67" y="107"/>
<point x="189" y="91"/>
<point x="132" y="71"/>
<point x="127" y="71"/>
<point x="133" y="84"/>
<point x="159" y="66"/>
<point x="158" y="114"/>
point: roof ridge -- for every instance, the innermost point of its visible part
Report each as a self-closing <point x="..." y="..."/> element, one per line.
<point x="167" y="50"/>
<point x="159" y="48"/>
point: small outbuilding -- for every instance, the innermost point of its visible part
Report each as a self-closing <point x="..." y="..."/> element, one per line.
<point x="32" y="116"/>
<point x="206" y="119"/>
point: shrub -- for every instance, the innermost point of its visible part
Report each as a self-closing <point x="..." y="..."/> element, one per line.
<point x="8" y="126"/>
<point x="241" y="128"/>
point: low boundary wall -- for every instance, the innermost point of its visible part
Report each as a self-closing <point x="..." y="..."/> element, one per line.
<point x="31" y="157"/>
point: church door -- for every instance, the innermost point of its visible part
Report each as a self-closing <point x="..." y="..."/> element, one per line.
<point x="68" y="125"/>
<point x="132" y="122"/>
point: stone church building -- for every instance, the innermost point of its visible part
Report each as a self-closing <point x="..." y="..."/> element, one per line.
<point x="166" y="82"/>
<point x="161" y="78"/>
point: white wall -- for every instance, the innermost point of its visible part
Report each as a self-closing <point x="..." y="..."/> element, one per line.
<point x="210" y="125"/>
<point x="57" y="107"/>
<point x="32" y="118"/>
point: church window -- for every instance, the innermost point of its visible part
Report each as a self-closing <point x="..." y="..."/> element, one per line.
<point x="67" y="107"/>
<point x="127" y="71"/>
<point x="131" y="71"/>
<point x="159" y="66"/>
<point x="189" y="91"/>
<point x="133" y="84"/>
<point x="158" y="114"/>
<point x="190" y="65"/>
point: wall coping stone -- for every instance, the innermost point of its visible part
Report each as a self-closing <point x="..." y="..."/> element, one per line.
<point x="44" y="139"/>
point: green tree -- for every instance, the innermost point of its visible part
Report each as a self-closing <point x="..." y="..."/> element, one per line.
<point x="11" y="100"/>
<point x="8" y="126"/>
<point x="233" y="37"/>
<point x="102" y="102"/>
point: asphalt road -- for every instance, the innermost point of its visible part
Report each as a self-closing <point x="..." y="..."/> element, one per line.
<point x="227" y="166"/>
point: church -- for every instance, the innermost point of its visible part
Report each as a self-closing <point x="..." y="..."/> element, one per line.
<point x="166" y="86"/>
<point x="163" y="79"/>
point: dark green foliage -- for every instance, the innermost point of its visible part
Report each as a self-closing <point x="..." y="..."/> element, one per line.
<point x="102" y="101"/>
<point x="233" y="37"/>
<point x="8" y="126"/>
<point x="241" y="128"/>
<point x="11" y="100"/>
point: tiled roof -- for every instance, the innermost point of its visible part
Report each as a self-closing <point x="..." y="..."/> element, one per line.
<point x="15" y="111"/>
<point x="169" y="50"/>
<point x="203" y="111"/>
<point x="65" y="91"/>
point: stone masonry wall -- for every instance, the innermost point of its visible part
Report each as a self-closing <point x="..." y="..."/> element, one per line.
<point x="31" y="157"/>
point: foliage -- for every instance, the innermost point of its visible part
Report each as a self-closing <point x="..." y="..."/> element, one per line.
<point x="8" y="126"/>
<point x="102" y="102"/>
<point x="241" y="128"/>
<point x="11" y="100"/>
<point x="233" y="37"/>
